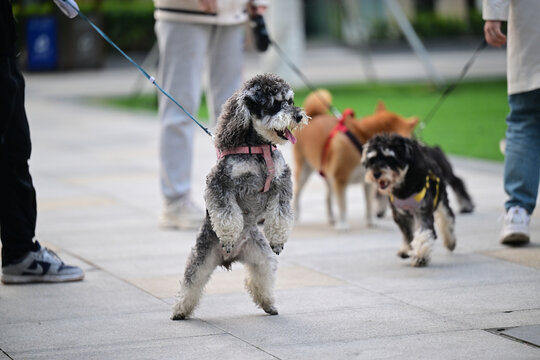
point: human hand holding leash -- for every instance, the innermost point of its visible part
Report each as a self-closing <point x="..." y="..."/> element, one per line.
<point x="68" y="7"/>
<point x="209" y="6"/>
<point x="494" y="35"/>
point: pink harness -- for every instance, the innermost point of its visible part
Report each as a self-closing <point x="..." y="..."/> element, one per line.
<point x="265" y="150"/>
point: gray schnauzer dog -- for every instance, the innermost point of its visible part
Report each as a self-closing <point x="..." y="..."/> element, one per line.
<point x="415" y="177"/>
<point x="250" y="182"/>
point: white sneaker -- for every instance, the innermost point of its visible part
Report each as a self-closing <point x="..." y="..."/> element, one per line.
<point x="515" y="230"/>
<point x="40" y="266"/>
<point x="181" y="214"/>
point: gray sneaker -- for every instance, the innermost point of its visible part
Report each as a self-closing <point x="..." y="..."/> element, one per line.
<point x="40" y="266"/>
<point x="181" y="214"/>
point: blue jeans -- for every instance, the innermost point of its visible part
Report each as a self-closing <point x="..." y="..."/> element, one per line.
<point x="522" y="160"/>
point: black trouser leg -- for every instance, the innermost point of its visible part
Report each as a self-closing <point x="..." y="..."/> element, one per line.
<point x="17" y="194"/>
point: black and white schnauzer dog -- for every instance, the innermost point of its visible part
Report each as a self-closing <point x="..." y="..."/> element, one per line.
<point x="250" y="182"/>
<point x="415" y="177"/>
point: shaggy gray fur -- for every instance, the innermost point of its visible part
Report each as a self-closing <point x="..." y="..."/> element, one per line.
<point x="260" y="113"/>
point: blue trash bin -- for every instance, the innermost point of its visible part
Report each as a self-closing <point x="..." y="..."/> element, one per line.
<point x="42" y="43"/>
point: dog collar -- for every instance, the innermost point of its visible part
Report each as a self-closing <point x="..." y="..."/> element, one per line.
<point x="265" y="150"/>
<point x="413" y="202"/>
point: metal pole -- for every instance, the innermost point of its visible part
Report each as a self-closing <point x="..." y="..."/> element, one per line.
<point x="414" y="41"/>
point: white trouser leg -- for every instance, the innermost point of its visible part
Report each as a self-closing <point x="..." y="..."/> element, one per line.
<point x="182" y="49"/>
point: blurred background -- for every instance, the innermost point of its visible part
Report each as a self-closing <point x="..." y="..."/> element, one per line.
<point x="404" y="52"/>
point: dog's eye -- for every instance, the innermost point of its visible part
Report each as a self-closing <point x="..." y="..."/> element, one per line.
<point x="290" y="101"/>
<point x="275" y="107"/>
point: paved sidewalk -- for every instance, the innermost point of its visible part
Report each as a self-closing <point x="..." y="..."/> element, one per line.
<point x="340" y="296"/>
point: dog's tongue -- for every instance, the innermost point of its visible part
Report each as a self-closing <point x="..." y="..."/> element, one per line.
<point x="290" y="136"/>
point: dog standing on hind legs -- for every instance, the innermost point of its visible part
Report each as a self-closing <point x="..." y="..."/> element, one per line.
<point x="414" y="176"/>
<point x="250" y="182"/>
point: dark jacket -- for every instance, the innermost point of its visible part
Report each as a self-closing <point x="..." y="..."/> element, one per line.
<point x="7" y="29"/>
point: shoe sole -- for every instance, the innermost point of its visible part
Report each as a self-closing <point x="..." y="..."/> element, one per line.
<point x="515" y="239"/>
<point x="20" y="279"/>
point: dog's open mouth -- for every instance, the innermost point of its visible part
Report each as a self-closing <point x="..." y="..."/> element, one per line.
<point x="286" y="134"/>
<point x="383" y="184"/>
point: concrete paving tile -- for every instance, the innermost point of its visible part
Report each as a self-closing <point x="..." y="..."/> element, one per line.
<point x="526" y="256"/>
<point x="500" y="319"/>
<point x="474" y="344"/>
<point x="291" y="301"/>
<point x="130" y="240"/>
<point x="223" y="281"/>
<point x="383" y="271"/>
<point x="528" y="333"/>
<point x="515" y="296"/>
<point x="332" y="326"/>
<point x="74" y="203"/>
<point x="3" y="356"/>
<point x="99" y="294"/>
<point x="202" y="347"/>
<point x="96" y="331"/>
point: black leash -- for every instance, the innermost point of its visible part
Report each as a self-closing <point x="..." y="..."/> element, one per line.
<point x="449" y="89"/>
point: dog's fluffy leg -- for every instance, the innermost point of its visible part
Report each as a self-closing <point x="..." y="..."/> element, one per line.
<point x="369" y="194"/>
<point x="261" y="265"/>
<point x="445" y="220"/>
<point x="329" y="211"/>
<point x="422" y="245"/>
<point x="302" y="171"/>
<point x="382" y="203"/>
<point x="405" y="222"/>
<point x="339" y="187"/>
<point x="278" y="219"/>
<point x="225" y="213"/>
<point x="201" y="263"/>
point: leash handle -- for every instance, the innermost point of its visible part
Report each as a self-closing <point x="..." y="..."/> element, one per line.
<point x="150" y="78"/>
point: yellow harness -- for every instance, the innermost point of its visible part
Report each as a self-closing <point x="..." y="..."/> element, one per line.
<point x="412" y="202"/>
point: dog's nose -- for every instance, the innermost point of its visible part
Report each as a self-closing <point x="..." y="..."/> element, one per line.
<point x="377" y="174"/>
<point x="298" y="117"/>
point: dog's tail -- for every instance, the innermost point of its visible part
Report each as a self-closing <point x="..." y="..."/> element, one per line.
<point x="318" y="102"/>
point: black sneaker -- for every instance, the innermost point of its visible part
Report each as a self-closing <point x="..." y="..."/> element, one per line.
<point x="42" y="265"/>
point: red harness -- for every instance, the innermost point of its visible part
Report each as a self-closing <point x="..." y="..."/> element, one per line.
<point x="340" y="127"/>
<point x="265" y="150"/>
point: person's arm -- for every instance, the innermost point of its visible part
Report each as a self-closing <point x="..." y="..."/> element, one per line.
<point x="67" y="7"/>
<point x="494" y="12"/>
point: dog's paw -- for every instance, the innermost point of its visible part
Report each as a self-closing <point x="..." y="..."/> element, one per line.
<point x="419" y="261"/>
<point x="178" y="316"/>
<point x="404" y="254"/>
<point x="271" y="310"/>
<point x="277" y="248"/>
<point x="227" y="246"/>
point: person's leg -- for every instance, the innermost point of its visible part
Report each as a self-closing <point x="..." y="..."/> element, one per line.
<point x="23" y="259"/>
<point x="17" y="194"/>
<point x="521" y="165"/>
<point x="182" y="49"/>
<point x="522" y="159"/>
<point x="225" y="65"/>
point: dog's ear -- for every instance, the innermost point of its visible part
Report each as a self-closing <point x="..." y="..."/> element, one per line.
<point x="410" y="149"/>
<point x="254" y="100"/>
<point x="380" y="107"/>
